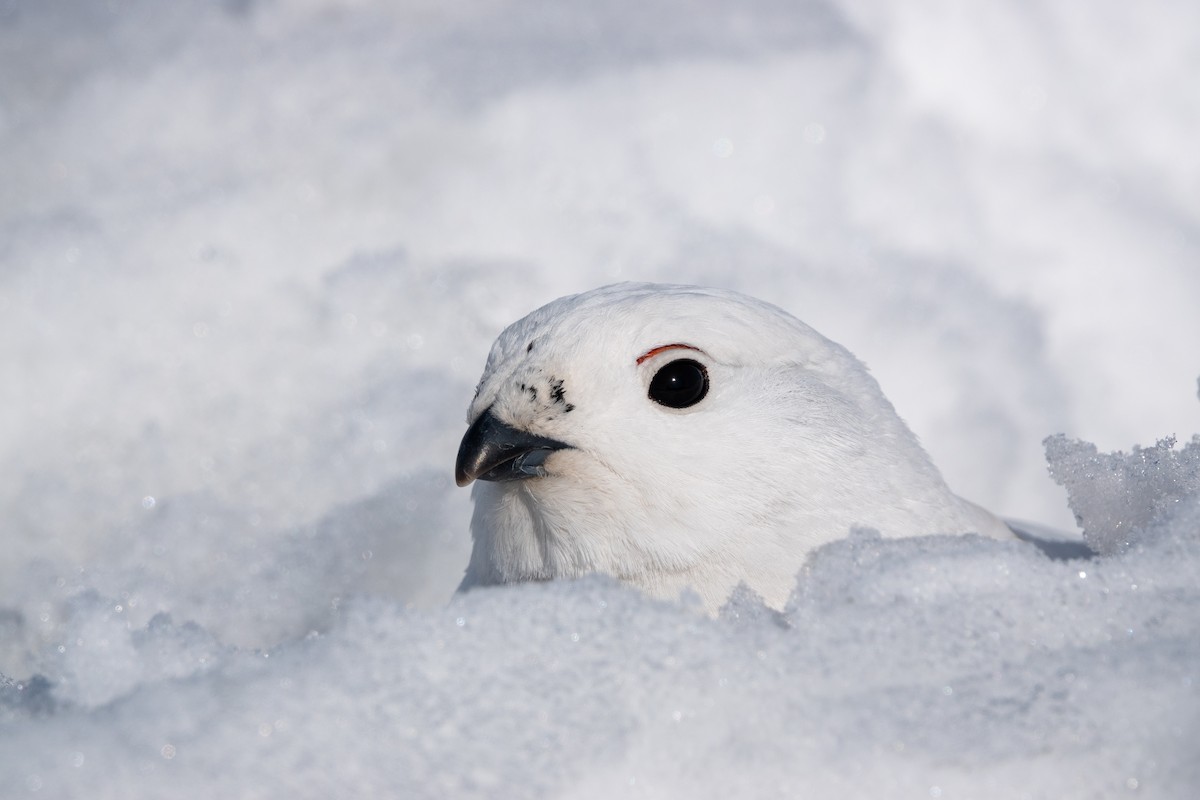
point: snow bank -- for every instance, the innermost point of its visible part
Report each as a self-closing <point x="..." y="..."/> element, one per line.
<point x="942" y="666"/>
<point x="252" y="255"/>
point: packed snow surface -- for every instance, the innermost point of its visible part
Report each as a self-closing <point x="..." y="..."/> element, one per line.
<point x="252" y="256"/>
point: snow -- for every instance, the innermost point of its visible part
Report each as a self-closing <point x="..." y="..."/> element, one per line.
<point x="1120" y="499"/>
<point x="252" y="255"/>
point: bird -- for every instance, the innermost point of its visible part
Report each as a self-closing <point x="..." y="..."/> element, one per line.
<point x="682" y="438"/>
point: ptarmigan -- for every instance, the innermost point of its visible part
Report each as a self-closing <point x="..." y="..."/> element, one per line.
<point x="677" y="436"/>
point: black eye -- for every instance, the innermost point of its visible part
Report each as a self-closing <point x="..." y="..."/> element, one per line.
<point x="679" y="384"/>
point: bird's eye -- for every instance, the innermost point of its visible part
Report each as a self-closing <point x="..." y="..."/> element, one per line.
<point x="680" y="384"/>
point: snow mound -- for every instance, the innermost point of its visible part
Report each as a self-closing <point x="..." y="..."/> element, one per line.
<point x="936" y="666"/>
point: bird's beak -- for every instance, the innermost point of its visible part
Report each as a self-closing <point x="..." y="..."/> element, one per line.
<point x="494" y="451"/>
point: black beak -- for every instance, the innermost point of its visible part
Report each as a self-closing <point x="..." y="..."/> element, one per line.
<point x="494" y="451"/>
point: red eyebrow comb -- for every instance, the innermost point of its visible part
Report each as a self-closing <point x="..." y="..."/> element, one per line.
<point x="665" y="347"/>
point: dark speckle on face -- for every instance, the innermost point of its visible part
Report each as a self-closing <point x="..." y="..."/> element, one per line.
<point x="558" y="394"/>
<point x="555" y="392"/>
<point x="529" y="348"/>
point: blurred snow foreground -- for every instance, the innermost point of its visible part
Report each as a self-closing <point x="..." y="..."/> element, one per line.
<point x="938" y="666"/>
<point x="253" y="252"/>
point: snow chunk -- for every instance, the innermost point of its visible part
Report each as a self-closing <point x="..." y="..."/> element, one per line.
<point x="1118" y="498"/>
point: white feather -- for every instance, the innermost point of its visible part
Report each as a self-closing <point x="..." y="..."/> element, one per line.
<point x="793" y="446"/>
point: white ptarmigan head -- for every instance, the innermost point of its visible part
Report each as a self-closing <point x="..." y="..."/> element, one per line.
<point x="677" y="436"/>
